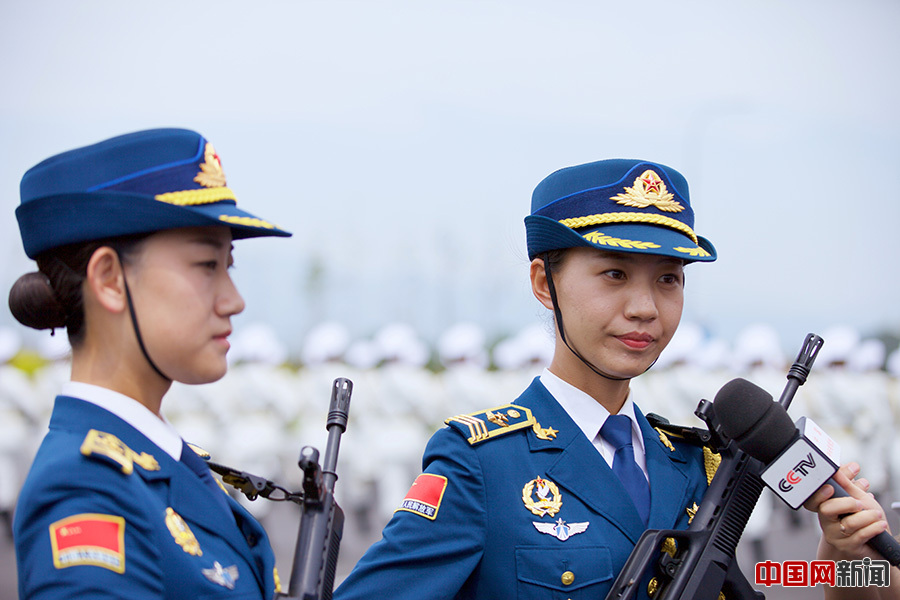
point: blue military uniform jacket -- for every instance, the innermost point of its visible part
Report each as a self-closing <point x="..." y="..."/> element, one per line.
<point x="105" y="513"/>
<point x="517" y="503"/>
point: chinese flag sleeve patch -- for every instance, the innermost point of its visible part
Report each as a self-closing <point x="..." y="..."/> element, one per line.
<point x="424" y="497"/>
<point x="89" y="539"/>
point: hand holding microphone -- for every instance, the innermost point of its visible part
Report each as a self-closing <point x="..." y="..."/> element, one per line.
<point x="847" y="523"/>
<point x="799" y="461"/>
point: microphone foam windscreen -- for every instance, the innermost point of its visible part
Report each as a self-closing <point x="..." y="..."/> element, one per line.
<point x="758" y="425"/>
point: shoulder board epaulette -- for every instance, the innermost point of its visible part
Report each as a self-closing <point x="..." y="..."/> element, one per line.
<point x="208" y="458"/>
<point x="691" y="435"/>
<point x="199" y="451"/>
<point x="108" y="447"/>
<point x="484" y="425"/>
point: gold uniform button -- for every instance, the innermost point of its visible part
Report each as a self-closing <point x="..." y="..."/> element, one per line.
<point x="568" y="577"/>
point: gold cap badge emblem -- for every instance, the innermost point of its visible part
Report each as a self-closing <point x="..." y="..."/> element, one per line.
<point x="649" y="190"/>
<point x="211" y="173"/>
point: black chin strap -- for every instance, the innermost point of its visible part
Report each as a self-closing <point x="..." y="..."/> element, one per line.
<point x="134" y="322"/>
<point x="562" y="328"/>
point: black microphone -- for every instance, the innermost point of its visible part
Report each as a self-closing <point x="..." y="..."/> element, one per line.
<point x="799" y="461"/>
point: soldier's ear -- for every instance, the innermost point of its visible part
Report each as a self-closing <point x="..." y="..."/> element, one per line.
<point x="105" y="280"/>
<point x="539" y="285"/>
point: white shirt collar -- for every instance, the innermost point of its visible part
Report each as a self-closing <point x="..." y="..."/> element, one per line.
<point x="587" y="413"/>
<point x="156" y="429"/>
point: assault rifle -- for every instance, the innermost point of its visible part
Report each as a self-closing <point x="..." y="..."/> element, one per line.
<point x="702" y="563"/>
<point x="321" y="519"/>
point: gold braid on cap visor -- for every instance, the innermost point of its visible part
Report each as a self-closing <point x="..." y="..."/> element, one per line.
<point x="195" y="197"/>
<point x="630" y="217"/>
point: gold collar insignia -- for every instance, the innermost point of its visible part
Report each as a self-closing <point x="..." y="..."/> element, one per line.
<point x="691" y="511"/>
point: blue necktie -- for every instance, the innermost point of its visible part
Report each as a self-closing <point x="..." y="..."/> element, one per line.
<point x="192" y="461"/>
<point x="617" y="431"/>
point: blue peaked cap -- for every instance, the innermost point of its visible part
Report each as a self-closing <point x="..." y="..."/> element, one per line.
<point x="131" y="184"/>
<point x="618" y="205"/>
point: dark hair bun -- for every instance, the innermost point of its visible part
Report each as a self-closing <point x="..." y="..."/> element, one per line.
<point x="34" y="304"/>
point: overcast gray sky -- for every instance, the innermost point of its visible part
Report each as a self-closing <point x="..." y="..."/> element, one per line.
<point x="400" y="141"/>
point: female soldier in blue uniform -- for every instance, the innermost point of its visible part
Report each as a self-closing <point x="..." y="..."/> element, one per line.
<point x="133" y="239"/>
<point x="546" y="497"/>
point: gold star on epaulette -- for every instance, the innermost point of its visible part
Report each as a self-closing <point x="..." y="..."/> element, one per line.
<point x="498" y="418"/>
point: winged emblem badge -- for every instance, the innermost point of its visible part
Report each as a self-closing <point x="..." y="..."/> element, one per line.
<point x="561" y="530"/>
<point x="224" y="576"/>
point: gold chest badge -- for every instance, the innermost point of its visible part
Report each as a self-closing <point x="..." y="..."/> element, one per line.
<point x="542" y="497"/>
<point x="183" y="535"/>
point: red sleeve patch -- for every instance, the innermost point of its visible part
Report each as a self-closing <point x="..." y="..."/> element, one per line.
<point x="89" y="539"/>
<point x="424" y="497"/>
